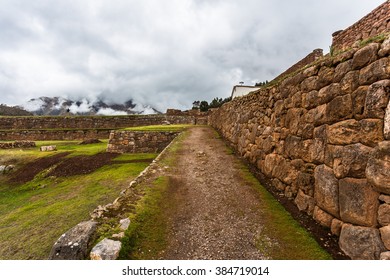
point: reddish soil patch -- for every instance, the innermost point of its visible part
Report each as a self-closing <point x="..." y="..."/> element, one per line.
<point x="81" y="165"/>
<point x="90" y="141"/>
<point x="30" y="170"/>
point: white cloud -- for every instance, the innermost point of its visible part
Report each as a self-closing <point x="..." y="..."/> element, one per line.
<point x="161" y="53"/>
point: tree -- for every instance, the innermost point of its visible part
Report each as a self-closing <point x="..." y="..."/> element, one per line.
<point x="195" y="105"/>
<point x="204" y="106"/>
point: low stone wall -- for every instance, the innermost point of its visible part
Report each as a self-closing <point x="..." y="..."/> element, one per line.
<point x="376" y="22"/>
<point x="17" y="144"/>
<point x="139" y="141"/>
<point x="43" y="135"/>
<point x="322" y="138"/>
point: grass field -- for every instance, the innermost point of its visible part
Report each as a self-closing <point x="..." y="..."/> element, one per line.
<point x="34" y="214"/>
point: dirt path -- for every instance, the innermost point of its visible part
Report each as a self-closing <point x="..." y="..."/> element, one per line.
<point x="218" y="216"/>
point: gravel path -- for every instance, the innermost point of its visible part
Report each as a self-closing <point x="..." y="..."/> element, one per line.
<point x="217" y="215"/>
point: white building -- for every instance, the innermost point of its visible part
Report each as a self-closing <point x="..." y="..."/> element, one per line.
<point x="240" y="90"/>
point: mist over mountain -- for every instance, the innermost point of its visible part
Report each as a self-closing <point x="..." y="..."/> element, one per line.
<point x="58" y="106"/>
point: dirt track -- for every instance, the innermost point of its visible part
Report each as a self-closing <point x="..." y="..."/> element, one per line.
<point x="218" y="217"/>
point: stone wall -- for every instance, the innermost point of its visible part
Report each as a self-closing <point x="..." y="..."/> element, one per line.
<point x="376" y="22"/>
<point x="322" y="138"/>
<point x="17" y="144"/>
<point x="43" y="135"/>
<point x="310" y="58"/>
<point x="91" y="122"/>
<point x="139" y="141"/>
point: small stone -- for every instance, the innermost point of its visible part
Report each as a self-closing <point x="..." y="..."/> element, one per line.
<point x="124" y="223"/>
<point x="106" y="249"/>
<point x="385" y="198"/>
<point x="118" y="235"/>
<point x="336" y="226"/>
<point x="384" y="214"/>
<point x="322" y="217"/>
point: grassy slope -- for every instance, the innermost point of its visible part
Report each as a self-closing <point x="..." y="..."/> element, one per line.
<point x="34" y="215"/>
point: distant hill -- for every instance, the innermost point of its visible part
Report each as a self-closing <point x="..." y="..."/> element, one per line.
<point x="13" y="111"/>
<point x="58" y="106"/>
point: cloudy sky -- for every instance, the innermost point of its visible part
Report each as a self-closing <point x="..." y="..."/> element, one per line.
<point x="160" y="53"/>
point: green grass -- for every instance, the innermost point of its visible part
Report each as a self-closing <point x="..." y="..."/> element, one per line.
<point x="172" y="127"/>
<point x="35" y="214"/>
<point x="293" y="242"/>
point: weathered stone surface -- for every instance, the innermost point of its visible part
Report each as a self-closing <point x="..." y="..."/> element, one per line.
<point x="367" y="131"/>
<point x="124" y="223"/>
<point x="75" y="243"/>
<point x="106" y="249"/>
<point x="322" y="217"/>
<point x="325" y="75"/>
<point x="340" y="108"/>
<point x="384" y="214"/>
<point x="48" y="148"/>
<point x="350" y="82"/>
<point x="361" y="243"/>
<point x="386" y="129"/>
<point x="385" y="198"/>
<point x="365" y="56"/>
<point x="336" y="226"/>
<point x="385" y="256"/>
<point x="377" y="99"/>
<point x="284" y="171"/>
<point x="317" y="115"/>
<point x="293" y="119"/>
<point x="313" y="151"/>
<point x="278" y="185"/>
<point x="350" y="160"/>
<point x="342" y="69"/>
<point x="358" y="202"/>
<point x="326" y="190"/>
<point x="385" y="234"/>
<point x="378" y="70"/>
<point x="310" y="83"/>
<point x="304" y="202"/>
<point x="378" y="168"/>
<point x="358" y="102"/>
<point x="385" y="48"/>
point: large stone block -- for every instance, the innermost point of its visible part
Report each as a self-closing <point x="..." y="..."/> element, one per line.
<point x="358" y="202"/>
<point x="304" y="202"/>
<point x="293" y="119"/>
<point x="384" y="214"/>
<point x="350" y="161"/>
<point x="376" y="71"/>
<point x="75" y="243"/>
<point x="367" y="131"/>
<point x="378" y="168"/>
<point x="340" y="108"/>
<point x="377" y="99"/>
<point x="316" y="115"/>
<point x="342" y="69"/>
<point x="361" y="243"/>
<point x="365" y="56"/>
<point x="326" y="190"/>
<point x="358" y="102"/>
<point x="385" y="234"/>
<point x="313" y="151"/>
<point x="310" y="83"/>
<point x="350" y="82"/>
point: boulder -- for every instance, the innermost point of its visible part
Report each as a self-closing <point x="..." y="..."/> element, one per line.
<point x="361" y="243"/>
<point x="358" y="202"/>
<point x="326" y="190"/>
<point x="75" y="243"/>
<point x="124" y="223"/>
<point x="378" y="168"/>
<point x="385" y="234"/>
<point x="106" y="249"/>
<point x="339" y="108"/>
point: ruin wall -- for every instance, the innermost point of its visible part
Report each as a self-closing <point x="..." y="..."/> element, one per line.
<point x="139" y="141"/>
<point x="321" y="137"/>
<point x="373" y="24"/>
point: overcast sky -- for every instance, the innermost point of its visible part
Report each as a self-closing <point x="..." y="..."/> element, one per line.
<point x="160" y="53"/>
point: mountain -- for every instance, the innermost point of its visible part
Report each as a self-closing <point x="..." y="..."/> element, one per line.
<point x="13" y="111"/>
<point x="58" y="106"/>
